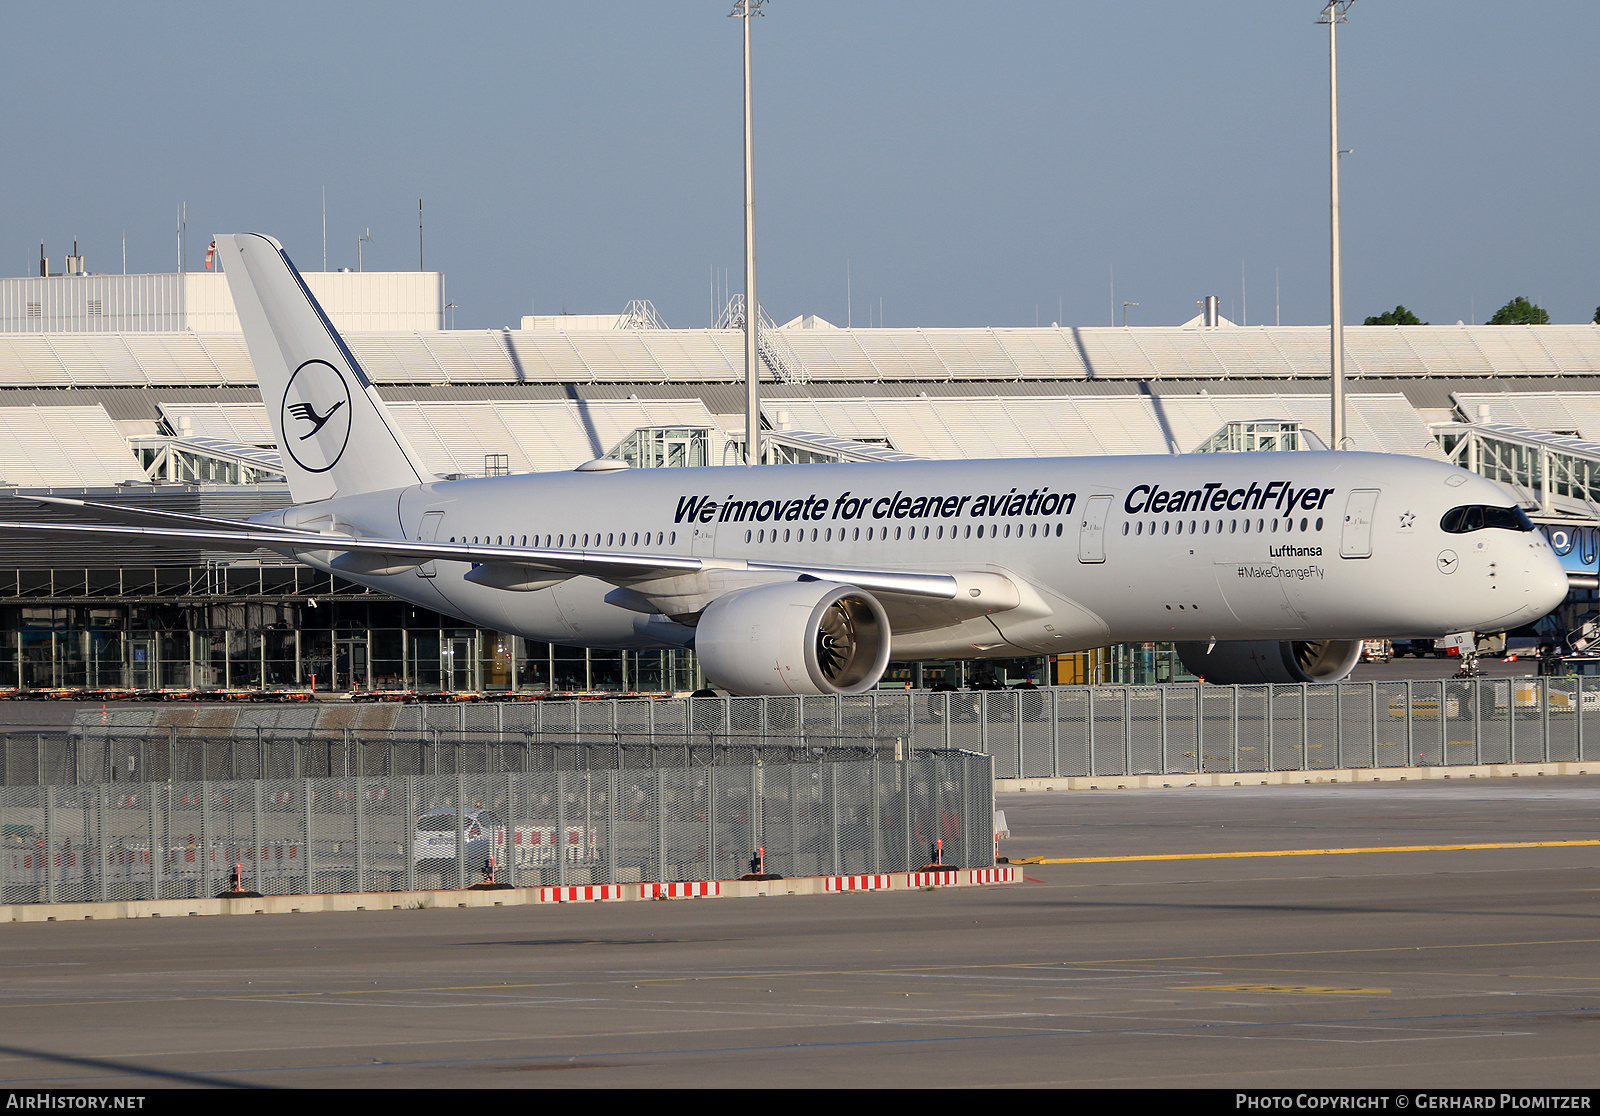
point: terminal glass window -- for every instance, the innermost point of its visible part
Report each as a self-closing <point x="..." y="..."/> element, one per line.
<point x="663" y="447"/>
<point x="1255" y="436"/>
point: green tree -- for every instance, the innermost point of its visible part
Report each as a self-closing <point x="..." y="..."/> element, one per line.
<point x="1597" y="315"/>
<point x="1398" y="316"/>
<point x="1519" y="311"/>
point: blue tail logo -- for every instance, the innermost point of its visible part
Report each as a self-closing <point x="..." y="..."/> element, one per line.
<point x="317" y="394"/>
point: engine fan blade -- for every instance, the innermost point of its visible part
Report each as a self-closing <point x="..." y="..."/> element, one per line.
<point x="836" y="640"/>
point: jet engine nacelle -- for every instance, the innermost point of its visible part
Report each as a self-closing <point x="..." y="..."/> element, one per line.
<point x="1255" y="661"/>
<point x="802" y="637"/>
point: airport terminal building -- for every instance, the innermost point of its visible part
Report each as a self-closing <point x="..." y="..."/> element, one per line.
<point x="139" y="389"/>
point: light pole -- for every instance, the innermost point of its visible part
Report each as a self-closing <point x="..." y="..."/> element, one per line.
<point x="743" y="10"/>
<point x="1333" y="15"/>
<point x="360" y="241"/>
<point x="1125" y="306"/>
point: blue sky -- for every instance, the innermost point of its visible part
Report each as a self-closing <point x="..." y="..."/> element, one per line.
<point x="974" y="164"/>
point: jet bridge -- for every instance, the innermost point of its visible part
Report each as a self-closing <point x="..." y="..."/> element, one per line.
<point x="1555" y="476"/>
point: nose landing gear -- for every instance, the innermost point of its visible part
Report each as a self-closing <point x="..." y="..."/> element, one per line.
<point x="1492" y="644"/>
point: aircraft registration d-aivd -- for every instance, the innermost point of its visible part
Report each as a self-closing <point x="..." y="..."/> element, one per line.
<point x="808" y="579"/>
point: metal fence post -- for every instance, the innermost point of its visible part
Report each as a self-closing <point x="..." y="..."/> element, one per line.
<point x="412" y="783"/>
<point x="1477" y="720"/>
<point x="1305" y="728"/>
<point x="1511" y="721"/>
<point x="361" y="835"/>
<point x="833" y="819"/>
<point x="1411" y="737"/>
<point x="964" y="821"/>
<point x="561" y="830"/>
<point x="1338" y="725"/>
<point x="307" y="794"/>
<point x="1127" y="730"/>
<point x="794" y="816"/>
<point x="509" y="853"/>
<point x="257" y="829"/>
<point x="1088" y="725"/>
<point x="1055" y="732"/>
<point x="612" y="781"/>
<point x="1372" y="725"/>
<point x="461" y="827"/>
<point x="1162" y="713"/>
<point x="205" y="839"/>
<point x="661" y="824"/>
<point x="711" y="822"/>
<point x="1544" y="715"/>
<point x="1579" y="743"/>
<point x="755" y="808"/>
<point x="876" y="863"/>
<point x="983" y="722"/>
<point x="52" y="851"/>
<point x="905" y="803"/>
<point x="172" y="752"/>
<point x="157" y="841"/>
<point x="101" y="891"/>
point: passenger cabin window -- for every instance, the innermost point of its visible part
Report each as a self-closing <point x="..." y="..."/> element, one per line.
<point x="1476" y="517"/>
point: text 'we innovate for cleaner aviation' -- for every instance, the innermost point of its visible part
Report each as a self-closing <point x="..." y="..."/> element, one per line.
<point x="1212" y="496"/>
<point x="846" y="507"/>
<point x="807" y="579"/>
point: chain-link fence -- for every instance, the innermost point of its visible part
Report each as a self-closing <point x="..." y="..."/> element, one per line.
<point x="364" y="833"/>
<point x="1064" y="731"/>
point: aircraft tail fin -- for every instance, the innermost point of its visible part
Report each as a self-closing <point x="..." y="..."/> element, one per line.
<point x="334" y="433"/>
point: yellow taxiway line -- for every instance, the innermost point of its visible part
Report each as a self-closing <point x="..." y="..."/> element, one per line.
<point x="1301" y="852"/>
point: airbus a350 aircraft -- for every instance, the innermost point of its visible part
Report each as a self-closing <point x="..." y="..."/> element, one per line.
<point x="808" y="579"/>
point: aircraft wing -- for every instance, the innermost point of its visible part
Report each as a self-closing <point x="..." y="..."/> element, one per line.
<point x="501" y="566"/>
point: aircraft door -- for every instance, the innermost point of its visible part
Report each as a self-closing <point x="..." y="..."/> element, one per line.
<point x="1092" y="529"/>
<point x="429" y="532"/>
<point x="1356" y="541"/>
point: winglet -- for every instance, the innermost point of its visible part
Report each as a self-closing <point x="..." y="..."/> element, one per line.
<point x="334" y="433"/>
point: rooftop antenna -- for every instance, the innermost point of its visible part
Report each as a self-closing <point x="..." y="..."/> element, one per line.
<point x="360" y="240"/>
<point x="743" y="10"/>
<point x="419" y="234"/>
<point x="324" y="228"/>
<point x="1335" y="13"/>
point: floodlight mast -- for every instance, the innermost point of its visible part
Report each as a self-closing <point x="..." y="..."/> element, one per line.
<point x="1334" y="14"/>
<point x="743" y="10"/>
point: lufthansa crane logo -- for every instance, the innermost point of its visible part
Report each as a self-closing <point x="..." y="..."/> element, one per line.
<point x="315" y="419"/>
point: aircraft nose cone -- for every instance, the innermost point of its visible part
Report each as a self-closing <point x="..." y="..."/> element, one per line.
<point x="1546" y="583"/>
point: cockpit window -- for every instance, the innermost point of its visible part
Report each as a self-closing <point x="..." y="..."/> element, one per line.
<point x="1475" y="517"/>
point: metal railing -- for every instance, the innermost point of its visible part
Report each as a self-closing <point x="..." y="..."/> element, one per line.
<point x="391" y="833"/>
<point x="1063" y="731"/>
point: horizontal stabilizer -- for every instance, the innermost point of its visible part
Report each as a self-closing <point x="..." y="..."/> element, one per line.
<point x="143" y="517"/>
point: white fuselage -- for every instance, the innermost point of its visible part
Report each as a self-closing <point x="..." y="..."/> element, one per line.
<point x="1280" y="546"/>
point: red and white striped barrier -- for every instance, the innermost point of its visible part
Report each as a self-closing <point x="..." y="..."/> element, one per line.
<point x="931" y="879"/>
<point x="584" y="894"/>
<point x="993" y="875"/>
<point x="857" y="883"/>
<point x="683" y="889"/>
